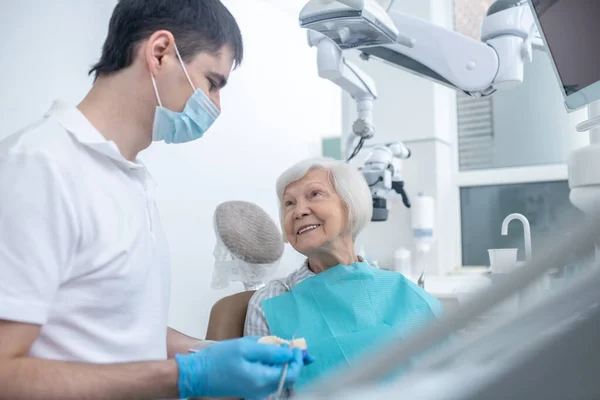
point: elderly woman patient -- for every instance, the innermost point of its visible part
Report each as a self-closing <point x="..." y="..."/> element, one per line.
<point x="335" y="300"/>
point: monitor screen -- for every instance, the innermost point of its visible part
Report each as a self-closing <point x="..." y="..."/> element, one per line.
<point x="571" y="29"/>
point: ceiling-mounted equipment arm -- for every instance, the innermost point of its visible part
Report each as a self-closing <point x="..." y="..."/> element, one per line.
<point x="334" y="67"/>
<point x="418" y="46"/>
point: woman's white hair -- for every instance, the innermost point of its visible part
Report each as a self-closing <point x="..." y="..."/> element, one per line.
<point x="348" y="182"/>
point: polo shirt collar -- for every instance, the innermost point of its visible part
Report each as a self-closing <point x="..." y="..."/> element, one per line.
<point x="85" y="133"/>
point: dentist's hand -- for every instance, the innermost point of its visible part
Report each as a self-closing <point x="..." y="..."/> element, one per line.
<point x="241" y="368"/>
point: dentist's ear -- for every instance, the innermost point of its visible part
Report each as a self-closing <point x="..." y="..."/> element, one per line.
<point x="158" y="45"/>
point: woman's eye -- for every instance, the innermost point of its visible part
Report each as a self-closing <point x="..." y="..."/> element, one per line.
<point x="316" y="194"/>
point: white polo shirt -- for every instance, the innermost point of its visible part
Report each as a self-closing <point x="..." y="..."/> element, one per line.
<point x="82" y="249"/>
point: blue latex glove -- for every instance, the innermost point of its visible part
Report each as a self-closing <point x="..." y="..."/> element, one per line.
<point x="241" y="368"/>
<point x="307" y="358"/>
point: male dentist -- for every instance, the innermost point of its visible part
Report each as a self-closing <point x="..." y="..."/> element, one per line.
<point x="84" y="264"/>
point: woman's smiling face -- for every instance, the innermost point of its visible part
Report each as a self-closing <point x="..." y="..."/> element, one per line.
<point x="314" y="214"/>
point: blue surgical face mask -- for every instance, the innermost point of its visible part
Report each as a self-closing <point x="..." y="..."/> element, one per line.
<point x="190" y="124"/>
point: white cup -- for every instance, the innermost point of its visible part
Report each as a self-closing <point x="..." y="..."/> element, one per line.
<point x="502" y="261"/>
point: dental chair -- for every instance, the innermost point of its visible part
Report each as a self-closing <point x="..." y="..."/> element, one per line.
<point x="227" y="317"/>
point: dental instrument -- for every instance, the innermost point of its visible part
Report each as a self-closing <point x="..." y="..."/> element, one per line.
<point x="421" y="280"/>
<point x="284" y="373"/>
<point x="293" y="343"/>
<point x="382" y="170"/>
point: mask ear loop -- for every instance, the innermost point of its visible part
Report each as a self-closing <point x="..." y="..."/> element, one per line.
<point x="183" y="66"/>
<point x="155" y="89"/>
<point x="184" y="71"/>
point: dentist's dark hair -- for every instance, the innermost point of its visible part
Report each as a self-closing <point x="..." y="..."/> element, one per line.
<point x="197" y="25"/>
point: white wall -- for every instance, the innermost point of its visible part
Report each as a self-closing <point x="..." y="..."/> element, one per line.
<point x="275" y="111"/>
<point x="421" y="114"/>
<point x="47" y="49"/>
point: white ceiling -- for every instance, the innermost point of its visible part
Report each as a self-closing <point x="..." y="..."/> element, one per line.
<point x="288" y="6"/>
<point x="294" y="6"/>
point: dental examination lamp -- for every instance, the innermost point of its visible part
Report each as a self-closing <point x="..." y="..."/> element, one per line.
<point x="478" y="68"/>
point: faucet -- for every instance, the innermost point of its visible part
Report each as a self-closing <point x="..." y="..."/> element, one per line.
<point x="526" y="232"/>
